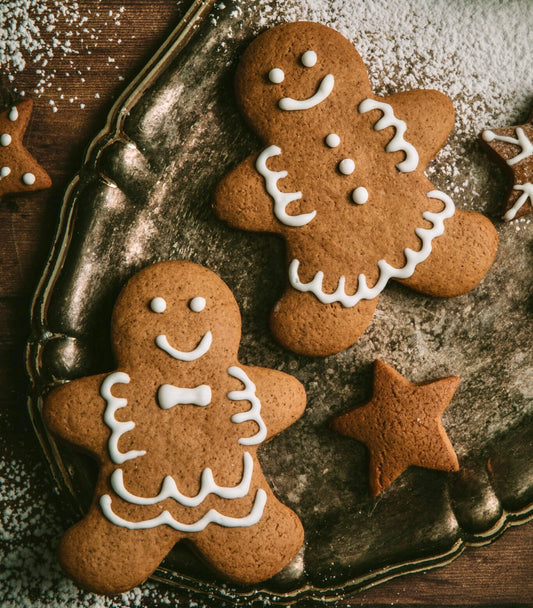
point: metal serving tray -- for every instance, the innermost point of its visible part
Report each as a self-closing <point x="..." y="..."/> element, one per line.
<point x="144" y="194"/>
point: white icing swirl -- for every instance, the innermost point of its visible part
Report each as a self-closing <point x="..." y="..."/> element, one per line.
<point x="521" y="140"/>
<point x="117" y="428"/>
<point x="165" y="518"/>
<point x="527" y="193"/>
<point x="281" y="199"/>
<point x="386" y="271"/>
<point x="397" y="143"/>
<point x="254" y="413"/>
<point x="169" y="489"/>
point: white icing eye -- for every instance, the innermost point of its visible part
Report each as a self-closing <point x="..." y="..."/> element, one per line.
<point x="360" y="195"/>
<point x="28" y="179"/>
<point x="276" y="75"/>
<point x="5" y="139"/>
<point x="346" y="166"/>
<point x="308" y="59"/>
<point x="333" y="140"/>
<point x="197" y="304"/>
<point x="158" y="305"/>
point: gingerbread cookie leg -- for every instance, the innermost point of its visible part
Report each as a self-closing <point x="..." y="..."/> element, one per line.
<point x="109" y="559"/>
<point x="248" y="558"/>
<point x="301" y="323"/>
<point x="474" y="240"/>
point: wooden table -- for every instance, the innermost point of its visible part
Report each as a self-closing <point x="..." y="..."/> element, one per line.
<point x="494" y="575"/>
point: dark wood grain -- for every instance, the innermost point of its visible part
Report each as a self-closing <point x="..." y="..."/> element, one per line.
<point x="497" y="575"/>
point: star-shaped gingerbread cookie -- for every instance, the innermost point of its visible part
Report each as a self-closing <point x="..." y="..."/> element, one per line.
<point x="175" y="429"/>
<point x="513" y="146"/>
<point x="19" y="171"/>
<point x="401" y="426"/>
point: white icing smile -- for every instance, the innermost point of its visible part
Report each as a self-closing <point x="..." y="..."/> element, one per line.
<point x="191" y="355"/>
<point x="324" y="89"/>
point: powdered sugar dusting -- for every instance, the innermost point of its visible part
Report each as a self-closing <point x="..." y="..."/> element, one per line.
<point x="36" y="34"/>
<point x="475" y="51"/>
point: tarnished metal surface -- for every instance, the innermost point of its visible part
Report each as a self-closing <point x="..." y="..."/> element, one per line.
<point x="144" y="195"/>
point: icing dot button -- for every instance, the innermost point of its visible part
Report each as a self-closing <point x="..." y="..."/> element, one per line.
<point x="488" y="135"/>
<point x="197" y="304"/>
<point x="346" y="166"/>
<point x="13" y="114"/>
<point x="360" y="195"/>
<point x="4" y="172"/>
<point x="309" y="59"/>
<point x="28" y="179"/>
<point x="333" y="140"/>
<point x="158" y="305"/>
<point x="5" y="139"/>
<point x="276" y="75"/>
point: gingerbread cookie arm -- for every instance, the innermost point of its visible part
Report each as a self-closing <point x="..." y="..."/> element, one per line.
<point x="473" y="240"/>
<point x="74" y="412"/>
<point x="242" y="201"/>
<point x="429" y="118"/>
<point x="282" y="398"/>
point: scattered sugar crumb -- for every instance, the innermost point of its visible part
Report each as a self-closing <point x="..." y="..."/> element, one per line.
<point x="29" y="38"/>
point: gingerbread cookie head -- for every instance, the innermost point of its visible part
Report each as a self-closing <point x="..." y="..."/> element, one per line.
<point x="183" y="309"/>
<point x="175" y="430"/>
<point x="295" y="67"/>
<point x="19" y="171"/>
<point x="342" y="179"/>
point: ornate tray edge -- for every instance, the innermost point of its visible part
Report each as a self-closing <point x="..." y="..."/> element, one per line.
<point x="40" y="335"/>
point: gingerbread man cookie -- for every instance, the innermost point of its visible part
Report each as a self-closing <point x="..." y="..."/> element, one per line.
<point x="513" y="146"/>
<point x="175" y="430"/>
<point x="341" y="178"/>
<point x="19" y="171"/>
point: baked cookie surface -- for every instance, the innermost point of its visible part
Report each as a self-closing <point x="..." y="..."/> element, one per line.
<point x="175" y="430"/>
<point x="401" y="426"/>
<point x="19" y="171"/>
<point x="513" y="147"/>
<point x="342" y="180"/>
